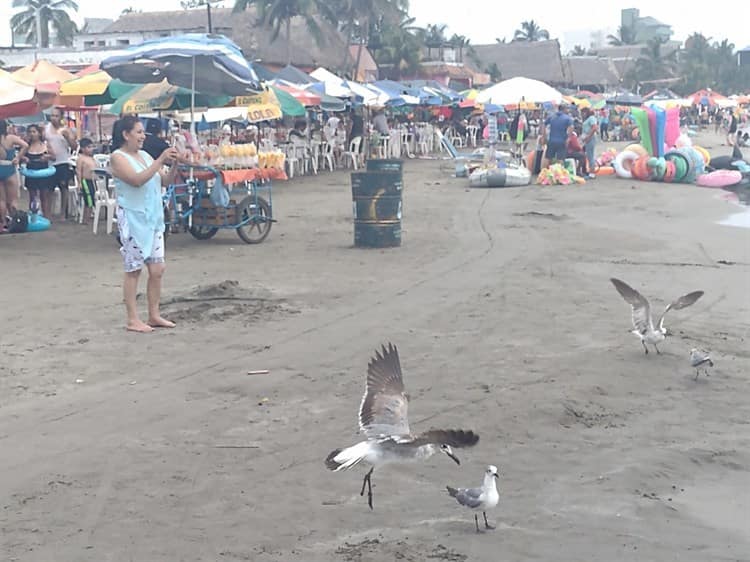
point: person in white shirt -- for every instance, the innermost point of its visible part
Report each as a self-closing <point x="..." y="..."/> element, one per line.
<point x="60" y="143"/>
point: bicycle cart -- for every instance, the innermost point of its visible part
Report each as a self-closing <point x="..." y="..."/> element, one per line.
<point x="210" y="200"/>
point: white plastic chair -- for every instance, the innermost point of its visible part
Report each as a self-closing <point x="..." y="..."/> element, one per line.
<point x="103" y="199"/>
<point x="353" y="152"/>
<point x="326" y="156"/>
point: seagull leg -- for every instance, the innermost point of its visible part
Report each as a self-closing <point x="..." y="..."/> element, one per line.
<point x="486" y="524"/>
<point x="657" y="349"/>
<point x="476" y="522"/>
<point x="368" y="481"/>
<point x="643" y="343"/>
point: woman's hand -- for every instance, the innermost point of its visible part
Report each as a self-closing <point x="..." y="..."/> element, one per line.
<point x="168" y="156"/>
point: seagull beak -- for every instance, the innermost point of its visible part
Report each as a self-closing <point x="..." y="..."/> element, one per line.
<point x="496" y="475"/>
<point x="454" y="457"/>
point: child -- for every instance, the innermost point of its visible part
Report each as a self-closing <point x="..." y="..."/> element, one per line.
<point x="85" y="165"/>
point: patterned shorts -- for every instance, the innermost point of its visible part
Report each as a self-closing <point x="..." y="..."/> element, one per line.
<point x="131" y="252"/>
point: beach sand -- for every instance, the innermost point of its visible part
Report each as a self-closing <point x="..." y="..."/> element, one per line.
<point x="126" y="447"/>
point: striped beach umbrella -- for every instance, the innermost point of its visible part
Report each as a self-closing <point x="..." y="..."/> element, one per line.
<point x="210" y="64"/>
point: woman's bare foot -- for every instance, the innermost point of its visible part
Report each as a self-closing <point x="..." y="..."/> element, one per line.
<point x="139" y="326"/>
<point x="159" y="322"/>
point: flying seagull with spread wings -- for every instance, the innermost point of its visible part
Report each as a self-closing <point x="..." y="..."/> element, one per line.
<point x="383" y="417"/>
<point x="643" y="322"/>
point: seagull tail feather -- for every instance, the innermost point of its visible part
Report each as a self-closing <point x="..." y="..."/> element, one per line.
<point x="343" y="459"/>
<point x="452" y="491"/>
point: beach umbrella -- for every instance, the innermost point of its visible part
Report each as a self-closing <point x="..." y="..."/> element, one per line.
<point x="305" y="97"/>
<point x="329" y="83"/>
<point x="211" y="64"/>
<point x="19" y="99"/>
<point x="519" y="90"/>
<point x="162" y="96"/>
<point x="42" y="72"/>
<point x="94" y="83"/>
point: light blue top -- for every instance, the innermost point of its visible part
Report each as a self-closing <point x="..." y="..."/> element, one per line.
<point x="586" y="129"/>
<point x="142" y="205"/>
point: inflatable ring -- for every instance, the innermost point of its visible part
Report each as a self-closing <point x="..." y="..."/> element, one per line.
<point x="605" y="171"/>
<point x="683" y="164"/>
<point x="699" y="163"/>
<point x="704" y="153"/>
<point x="37" y="222"/>
<point x="657" y="167"/>
<point x="637" y="148"/>
<point x="719" y="178"/>
<point x="43" y="173"/>
<point x="623" y="164"/>
<point x="640" y="169"/>
<point x="669" y="171"/>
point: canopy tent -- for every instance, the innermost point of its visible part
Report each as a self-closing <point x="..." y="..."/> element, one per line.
<point x="518" y="90"/>
<point x="329" y="83"/>
<point x="294" y="75"/>
<point x="367" y="96"/>
<point x="706" y="97"/>
<point x="625" y="98"/>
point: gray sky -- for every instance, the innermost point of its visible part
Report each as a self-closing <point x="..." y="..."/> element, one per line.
<point x="484" y="20"/>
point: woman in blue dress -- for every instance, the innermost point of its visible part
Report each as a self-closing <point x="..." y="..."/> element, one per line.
<point x="140" y="217"/>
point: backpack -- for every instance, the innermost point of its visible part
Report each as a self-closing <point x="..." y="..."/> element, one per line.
<point x="19" y="222"/>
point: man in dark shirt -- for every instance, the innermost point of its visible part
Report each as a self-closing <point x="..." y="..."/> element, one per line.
<point x="560" y="126"/>
<point x="153" y="143"/>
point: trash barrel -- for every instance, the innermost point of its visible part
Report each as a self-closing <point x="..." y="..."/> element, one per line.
<point x="376" y="196"/>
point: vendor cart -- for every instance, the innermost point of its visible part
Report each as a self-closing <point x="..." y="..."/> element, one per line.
<point x="210" y="199"/>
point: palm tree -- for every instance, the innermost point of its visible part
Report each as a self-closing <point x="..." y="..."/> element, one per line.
<point x="578" y="51"/>
<point x="278" y="13"/>
<point x="653" y="63"/>
<point x="36" y="17"/>
<point x="398" y="45"/>
<point x="625" y="36"/>
<point x="530" y="31"/>
<point x="494" y="71"/>
<point x="459" y="43"/>
<point x="435" y="38"/>
<point x="367" y="12"/>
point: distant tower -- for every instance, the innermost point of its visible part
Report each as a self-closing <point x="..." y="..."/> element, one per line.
<point x="629" y="17"/>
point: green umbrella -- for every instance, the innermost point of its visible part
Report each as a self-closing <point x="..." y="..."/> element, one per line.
<point x="289" y="105"/>
<point x="162" y="96"/>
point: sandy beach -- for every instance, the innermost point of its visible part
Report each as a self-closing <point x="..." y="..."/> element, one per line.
<point x="161" y="448"/>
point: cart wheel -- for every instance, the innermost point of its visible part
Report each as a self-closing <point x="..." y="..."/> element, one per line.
<point x="258" y="212"/>
<point x="203" y="232"/>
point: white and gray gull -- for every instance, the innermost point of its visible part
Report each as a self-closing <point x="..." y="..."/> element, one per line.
<point x="643" y="322"/>
<point x="479" y="499"/>
<point x="383" y="417"/>
<point x="700" y="358"/>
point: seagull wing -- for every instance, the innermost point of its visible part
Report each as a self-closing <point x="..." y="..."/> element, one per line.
<point x="699" y="357"/>
<point x="641" y="308"/>
<point x="384" y="408"/>
<point x="683" y="302"/>
<point x="470" y="497"/>
<point x="454" y="437"/>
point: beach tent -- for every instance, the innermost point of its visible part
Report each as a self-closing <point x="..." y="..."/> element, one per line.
<point x="294" y="75"/>
<point x="329" y="83"/>
<point x="518" y="90"/>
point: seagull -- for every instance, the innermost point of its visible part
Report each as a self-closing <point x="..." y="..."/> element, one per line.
<point x="483" y="498"/>
<point x="643" y="322"/>
<point x="698" y="358"/>
<point x="384" y="420"/>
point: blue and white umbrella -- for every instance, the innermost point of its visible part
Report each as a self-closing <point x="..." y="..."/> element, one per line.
<point x="210" y="64"/>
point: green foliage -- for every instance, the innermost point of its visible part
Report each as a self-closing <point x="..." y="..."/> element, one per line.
<point x="530" y="31"/>
<point x="625" y="36"/>
<point x="52" y="13"/>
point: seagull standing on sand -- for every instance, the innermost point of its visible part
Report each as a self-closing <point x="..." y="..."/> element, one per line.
<point x="483" y="498"/>
<point x="700" y="358"/>
<point x="643" y="322"/>
<point x="383" y="417"/>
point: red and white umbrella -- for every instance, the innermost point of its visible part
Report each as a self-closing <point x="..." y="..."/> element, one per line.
<point x="18" y="99"/>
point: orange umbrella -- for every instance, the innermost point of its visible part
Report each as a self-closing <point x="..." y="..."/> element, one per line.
<point x="47" y="78"/>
